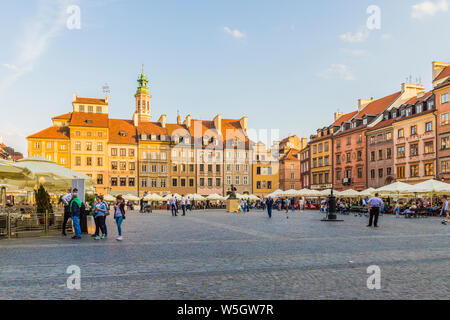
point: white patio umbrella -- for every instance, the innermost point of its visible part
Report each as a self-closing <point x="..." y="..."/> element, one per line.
<point x="153" y="197"/>
<point x="130" y="197"/>
<point x="350" y="193"/>
<point x="430" y="186"/>
<point x="10" y="170"/>
<point x="214" y="197"/>
<point x="196" y="197"/>
<point x="109" y="197"/>
<point x="275" y="193"/>
<point x="54" y="176"/>
<point x="253" y="197"/>
<point x="368" y="192"/>
<point x="395" y="188"/>
<point x="289" y="193"/>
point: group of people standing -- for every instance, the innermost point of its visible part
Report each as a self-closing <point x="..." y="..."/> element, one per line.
<point x="73" y="208"/>
<point x="173" y="204"/>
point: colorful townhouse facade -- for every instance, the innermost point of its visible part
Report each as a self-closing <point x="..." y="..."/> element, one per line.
<point x="441" y="91"/>
<point x="305" y="167"/>
<point x="140" y="156"/>
<point x="265" y="170"/>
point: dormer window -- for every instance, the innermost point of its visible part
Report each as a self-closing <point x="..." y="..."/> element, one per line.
<point x="176" y="139"/>
<point x="153" y="137"/>
<point x="81" y="108"/>
<point x="122" y="133"/>
<point x="408" y="112"/>
<point x="430" y="104"/>
<point x="419" y="108"/>
<point x="88" y="120"/>
<point x="402" y="113"/>
<point x="364" y="121"/>
<point x="394" y="114"/>
<point x="205" y="140"/>
<point x="143" y="136"/>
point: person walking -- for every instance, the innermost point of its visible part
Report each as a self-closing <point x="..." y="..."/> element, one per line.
<point x="141" y="203"/>
<point x="445" y="210"/>
<point x="287" y="205"/>
<point x="248" y="205"/>
<point x="119" y="216"/>
<point x="397" y="210"/>
<point x="269" y="205"/>
<point x="66" y="200"/>
<point x="99" y="217"/>
<point x="375" y="204"/>
<point x="183" y="204"/>
<point x="173" y="206"/>
<point x="75" y="212"/>
<point x="188" y="204"/>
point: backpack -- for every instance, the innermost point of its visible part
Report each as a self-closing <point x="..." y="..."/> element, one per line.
<point x="107" y="212"/>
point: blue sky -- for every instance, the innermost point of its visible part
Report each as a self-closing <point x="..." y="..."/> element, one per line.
<point x="287" y="65"/>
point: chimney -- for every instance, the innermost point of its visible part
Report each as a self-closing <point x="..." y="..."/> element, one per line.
<point x="243" y="123"/>
<point x="337" y="115"/>
<point x="218" y="123"/>
<point x="178" y="119"/>
<point x="74" y="97"/>
<point x="362" y="103"/>
<point x="410" y="90"/>
<point x="162" y="120"/>
<point x="187" y="121"/>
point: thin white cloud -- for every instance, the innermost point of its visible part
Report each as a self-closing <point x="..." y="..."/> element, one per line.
<point x="49" y="21"/>
<point x="386" y="36"/>
<point x="429" y="8"/>
<point x="10" y="66"/>
<point x="339" y="71"/>
<point x="234" y="33"/>
<point x="354" y="52"/>
<point x="359" y="36"/>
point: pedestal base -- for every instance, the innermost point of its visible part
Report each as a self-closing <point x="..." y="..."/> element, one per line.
<point x="233" y="205"/>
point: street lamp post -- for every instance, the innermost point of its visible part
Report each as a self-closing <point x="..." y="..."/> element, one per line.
<point x="331" y="217"/>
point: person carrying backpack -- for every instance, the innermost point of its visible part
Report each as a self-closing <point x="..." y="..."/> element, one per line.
<point x="75" y="212"/>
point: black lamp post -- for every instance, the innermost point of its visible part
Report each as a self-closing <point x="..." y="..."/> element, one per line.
<point x="331" y="217"/>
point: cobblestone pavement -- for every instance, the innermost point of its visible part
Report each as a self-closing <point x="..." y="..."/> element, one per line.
<point x="217" y="255"/>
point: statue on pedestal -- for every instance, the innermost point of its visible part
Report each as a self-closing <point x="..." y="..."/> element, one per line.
<point x="232" y="192"/>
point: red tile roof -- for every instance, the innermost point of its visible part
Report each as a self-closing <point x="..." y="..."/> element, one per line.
<point x="90" y="101"/>
<point x="65" y="116"/>
<point x="151" y="128"/>
<point x="344" y="118"/>
<point x="383" y="124"/>
<point x="52" y="133"/>
<point x="180" y="129"/>
<point x="200" y="127"/>
<point x="444" y="74"/>
<point x="89" y="119"/>
<point x="416" y="99"/>
<point x="291" y="155"/>
<point x="378" y="106"/>
<point x="122" y="131"/>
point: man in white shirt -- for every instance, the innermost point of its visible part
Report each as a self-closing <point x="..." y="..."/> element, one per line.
<point x="188" y="204"/>
<point x="183" y="204"/>
<point x="375" y="205"/>
<point x="66" y="200"/>
<point x="173" y="205"/>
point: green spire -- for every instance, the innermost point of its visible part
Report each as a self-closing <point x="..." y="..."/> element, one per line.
<point x="142" y="83"/>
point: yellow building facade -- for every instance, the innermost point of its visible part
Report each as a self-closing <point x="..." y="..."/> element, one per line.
<point x="265" y="170"/>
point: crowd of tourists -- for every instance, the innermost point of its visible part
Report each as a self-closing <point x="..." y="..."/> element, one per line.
<point x="77" y="211"/>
